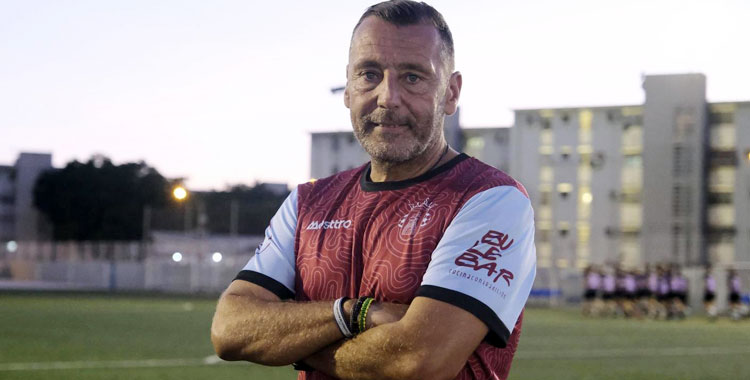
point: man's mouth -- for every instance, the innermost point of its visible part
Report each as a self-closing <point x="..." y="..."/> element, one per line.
<point x="391" y="126"/>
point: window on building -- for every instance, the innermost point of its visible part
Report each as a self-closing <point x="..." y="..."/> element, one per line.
<point x="721" y="215"/>
<point x="566" y="151"/>
<point x="721" y="179"/>
<point x="563" y="228"/>
<point x="631" y="216"/>
<point x="544" y="212"/>
<point x="723" y="137"/>
<point x="632" y="173"/>
<point x="546" y="137"/>
<point x="474" y="146"/>
<point x="721" y="117"/>
<point x="546" y="174"/>
<point x="500" y="137"/>
<point x="335" y="143"/>
<point x="632" y="139"/>
<point x="722" y="158"/>
<point x="719" y="198"/>
<point x="564" y="189"/>
<point x="610" y="116"/>
<point x="545" y="197"/>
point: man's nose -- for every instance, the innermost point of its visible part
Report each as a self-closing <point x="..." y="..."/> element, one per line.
<point x="389" y="92"/>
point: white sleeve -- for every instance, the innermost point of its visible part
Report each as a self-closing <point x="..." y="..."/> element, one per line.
<point x="273" y="265"/>
<point x="485" y="263"/>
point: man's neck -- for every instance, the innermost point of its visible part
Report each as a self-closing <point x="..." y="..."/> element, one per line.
<point x="385" y="171"/>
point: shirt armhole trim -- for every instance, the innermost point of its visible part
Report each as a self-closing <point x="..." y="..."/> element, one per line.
<point x="498" y="334"/>
<point x="266" y="282"/>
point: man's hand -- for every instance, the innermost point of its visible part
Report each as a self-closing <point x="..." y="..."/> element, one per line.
<point x="433" y="340"/>
<point x="253" y="324"/>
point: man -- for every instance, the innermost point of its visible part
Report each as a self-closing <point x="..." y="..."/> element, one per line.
<point x="442" y="242"/>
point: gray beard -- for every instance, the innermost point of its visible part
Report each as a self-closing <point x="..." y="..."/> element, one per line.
<point x="386" y="153"/>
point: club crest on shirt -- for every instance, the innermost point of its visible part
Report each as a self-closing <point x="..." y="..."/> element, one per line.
<point x="419" y="215"/>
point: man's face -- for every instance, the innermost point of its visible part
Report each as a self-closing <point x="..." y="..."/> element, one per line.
<point x="398" y="89"/>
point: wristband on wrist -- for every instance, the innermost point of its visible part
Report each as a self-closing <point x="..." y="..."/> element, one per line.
<point x="363" y="314"/>
<point x="338" y="315"/>
<point x="302" y="366"/>
<point x="354" y="317"/>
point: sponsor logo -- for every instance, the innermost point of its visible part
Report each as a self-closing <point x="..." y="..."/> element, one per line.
<point x="329" y="224"/>
<point x="264" y="244"/>
<point x="480" y="279"/>
<point x="483" y="257"/>
<point x="419" y="215"/>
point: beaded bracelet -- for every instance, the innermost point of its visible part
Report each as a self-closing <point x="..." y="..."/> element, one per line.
<point x="354" y="319"/>
<point x="363" y="314"/>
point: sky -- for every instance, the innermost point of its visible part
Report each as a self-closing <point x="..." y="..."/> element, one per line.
<point x="227" y="92"/>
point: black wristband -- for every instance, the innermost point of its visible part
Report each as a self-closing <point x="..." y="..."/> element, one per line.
<point x="354" y="318"/>
<point x="302" y="366"/>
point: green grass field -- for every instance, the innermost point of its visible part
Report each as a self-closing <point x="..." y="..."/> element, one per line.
<point x="133" y="337"/>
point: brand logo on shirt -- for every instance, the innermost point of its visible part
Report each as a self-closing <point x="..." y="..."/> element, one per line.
<point x="264" y="244"/>
<point x="329" y="224"/>
<point x="483" y="257"/>
<point x="418" y="216"/>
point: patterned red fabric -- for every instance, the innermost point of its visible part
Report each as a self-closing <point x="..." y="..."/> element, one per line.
<point x="386" y="248"/>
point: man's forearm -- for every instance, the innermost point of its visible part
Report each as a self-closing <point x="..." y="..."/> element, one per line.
<point x="379" y="353"/>
<point x="271" y="332"/>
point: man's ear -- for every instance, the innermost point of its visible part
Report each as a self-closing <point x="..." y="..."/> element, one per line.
<point x="452" y="93"/>
<point x="346" y="89"/>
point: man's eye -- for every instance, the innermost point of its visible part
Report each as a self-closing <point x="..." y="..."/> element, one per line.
<point x="369" y="75"/>
<point x="412" y="78"/>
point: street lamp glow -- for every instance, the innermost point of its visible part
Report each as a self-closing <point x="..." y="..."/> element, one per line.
<point x="177" y="257"/>
<point x="11" y="246"/>
<point x="216" y="257"/>
<point x="179" y="193"/>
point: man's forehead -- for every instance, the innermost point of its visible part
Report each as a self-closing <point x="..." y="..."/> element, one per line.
<point x="376" y="33"/>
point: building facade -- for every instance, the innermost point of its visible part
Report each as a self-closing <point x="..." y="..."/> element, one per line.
<point x="661" y="182"/>
<point x="19" y="219"/>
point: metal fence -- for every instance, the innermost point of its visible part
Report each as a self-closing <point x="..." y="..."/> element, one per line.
<point x="153" y="267"/>
<point x="125" y="266"/>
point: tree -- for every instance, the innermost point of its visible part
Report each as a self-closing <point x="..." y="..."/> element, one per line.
<point x="255" y="208"/>
<point x="98" y="200"/>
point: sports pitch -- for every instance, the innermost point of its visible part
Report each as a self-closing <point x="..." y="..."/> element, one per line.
<point x="68" y="336"/>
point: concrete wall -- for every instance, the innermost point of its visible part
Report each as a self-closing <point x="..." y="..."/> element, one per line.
<point x="674" y="113"/>
<point x="742" y="184"/>
<point x="607" y="127"/>
<point x="29" y="223"/>
<point x="7" y="202"/>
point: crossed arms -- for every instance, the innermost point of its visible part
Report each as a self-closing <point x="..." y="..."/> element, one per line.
<point x="428" y="339"/>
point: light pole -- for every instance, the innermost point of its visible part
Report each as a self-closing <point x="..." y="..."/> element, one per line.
<point x="234" y="211"/>
<point x="180" y="194"/>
